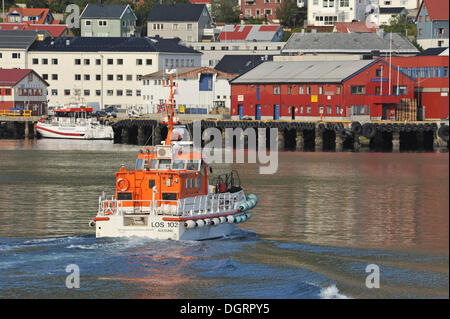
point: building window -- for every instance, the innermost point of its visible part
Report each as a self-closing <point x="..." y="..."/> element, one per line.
<point x="129" y="92"/>
<point x="320" y="89"/>
<point x="55" y="61"/>
<point x="77" y="77"/>
<point x="98" y="77"/>
<point x="110" y="61"/>
<point x="189" y="27"/>
<point x="119" y="61"/>
<point x="119" y="92"/>
<point x="357" y="90"/>
<point x="276" y="90"/>
<point x="98" y="92"/>
<point x="87" y="92"/>
<point x="35" y="61"/>
<point x="148" y="61"/>
<point x="320" y="109"/>
<point x="102" y="23"/>
<point x="110" y="77"/>
<point x="77" y="61"/>
<point x="328" y="109"/>
<point x="109" y="92"/>
<point x="54" y="76"/>
<point x="344" y="3"/>
<point x="308" y="90"/>
<point x="399" y="90"/>
<point x="138" y="61"/>
<point x="338" y="90"/>
<point x="16" y="55"/>
<point x="300" y="90"/>
<point x="98" y="61"/>
<point x="119" y="77"/>
<point x="45" y="76"/>
<point x="87" y="62"/>
<point x="129" y="77"/>
<point x="138" y="92"/>
<point x="308" y="109"/>
<point x="289" y="90"/>
<point x="338" y="110"/>
<point x="54" y="92"/>
<point x="66" y="92"/>
<point x="378" y="73"/>
<point x="87" y="77"/>
<point x="175" y="26"/>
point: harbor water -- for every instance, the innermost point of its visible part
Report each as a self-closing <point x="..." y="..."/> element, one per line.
<point x="321" y="220"/>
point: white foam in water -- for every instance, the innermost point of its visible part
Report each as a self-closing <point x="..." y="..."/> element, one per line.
<point x="331" y="292"/>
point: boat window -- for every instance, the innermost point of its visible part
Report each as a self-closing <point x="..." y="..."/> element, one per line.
<point x="178" y="164"/>
<point x="140" y="163"/>
<point x="164" y="164"/>
<point x="153" y="162"/>
<point x="193" y="165"/>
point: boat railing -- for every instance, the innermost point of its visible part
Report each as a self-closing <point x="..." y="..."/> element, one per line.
<point x="192" y="206"/>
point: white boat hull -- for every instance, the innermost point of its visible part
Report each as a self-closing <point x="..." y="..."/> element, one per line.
<point x="87" y="132"/>
<point x="156" y="228"/>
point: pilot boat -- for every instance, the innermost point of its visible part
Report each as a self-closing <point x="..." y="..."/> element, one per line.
<point x="168" y="196"/>
<point x="74" y="123"/>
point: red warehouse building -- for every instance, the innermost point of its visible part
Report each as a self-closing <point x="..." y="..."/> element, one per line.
<point x="432" y="83"/>
<point x="314" y="90"/>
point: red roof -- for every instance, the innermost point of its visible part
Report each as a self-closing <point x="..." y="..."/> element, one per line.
<point x="56" y="30"/>
<point x="40" y="12"/>
<point x="237" y="34"/>
<point x="357" y="27"/>
<point x="10" y="77"/>
<point x="437" y="9"/>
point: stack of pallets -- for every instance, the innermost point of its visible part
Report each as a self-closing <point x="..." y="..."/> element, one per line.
<point x="406" y="110"/>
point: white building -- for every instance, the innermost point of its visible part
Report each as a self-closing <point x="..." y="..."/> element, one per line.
<point x="102" y="71"/>
<point x="407" y="4"/>
<point x="198" y="90"/>
<point x="213" y="52"/>
<point x="327" y="12"/>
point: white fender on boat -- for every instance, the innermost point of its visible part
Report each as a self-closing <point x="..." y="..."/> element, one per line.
<point x="222" y="219"/>
<point x="200" y="223"/>
<point x="190" y="224"/>
<point x="237" y="219"/>
<point x="248" y="215"/>
<point x="215" y="221"/>
<point x="207" y="221"/>
<point x="243" y="218"/>
<point x="230" y="219"/>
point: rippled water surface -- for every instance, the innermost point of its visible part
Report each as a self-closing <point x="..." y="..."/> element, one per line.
<point x="321" y="219"/>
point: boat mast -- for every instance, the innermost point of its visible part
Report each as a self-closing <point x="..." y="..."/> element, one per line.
<point x="170" y="109"/>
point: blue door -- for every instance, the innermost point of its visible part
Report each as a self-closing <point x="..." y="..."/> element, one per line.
<point x="241" y="111"/>
<point x="258" y="93"/>
<point x="276" y="112"/>
<point x="258" y="112"/>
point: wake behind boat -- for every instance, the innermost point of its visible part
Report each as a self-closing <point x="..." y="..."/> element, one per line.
<point x="74" y="123"/>
<point x="168" y="195"/>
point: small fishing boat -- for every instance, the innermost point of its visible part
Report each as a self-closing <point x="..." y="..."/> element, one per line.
<point x="74" y="123"/>
<point x="168" y="195"/>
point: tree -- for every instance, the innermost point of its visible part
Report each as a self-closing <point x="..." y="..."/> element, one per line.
<point x="400" y="24"/>
<point x="226" y="11"/>
<point x="287" y="13"/>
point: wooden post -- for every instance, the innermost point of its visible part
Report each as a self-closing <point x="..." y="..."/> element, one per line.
<point x="300" y="141"/>
<point x="318" y="142"/>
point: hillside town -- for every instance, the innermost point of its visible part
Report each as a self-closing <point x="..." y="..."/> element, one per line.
<point x="259" y="59"/>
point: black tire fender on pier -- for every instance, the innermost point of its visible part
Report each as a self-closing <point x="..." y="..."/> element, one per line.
<point x="443" y="132"/>
<point x="368" y="130"/>
<point x="356" y="128"/>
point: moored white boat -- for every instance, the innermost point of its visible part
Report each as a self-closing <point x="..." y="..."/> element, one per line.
<point x="74" y="123"/>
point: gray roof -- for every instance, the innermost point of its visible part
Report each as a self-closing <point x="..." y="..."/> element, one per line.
<point x="357" y="43"/>
<point x="176" y="12"/>
<point x="104" y="11"/>
<point x="302" y="72"/>
<point x="17" y="39"/>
